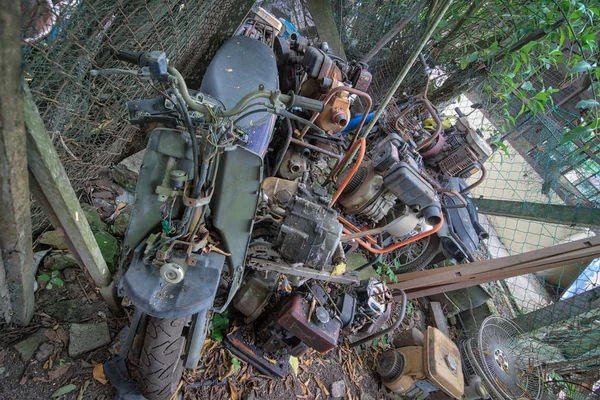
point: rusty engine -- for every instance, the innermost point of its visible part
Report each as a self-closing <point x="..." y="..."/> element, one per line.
<point x="298" y="293"/>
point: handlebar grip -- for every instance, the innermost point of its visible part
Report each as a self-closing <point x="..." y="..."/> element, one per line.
<point x="459" y="112"/>
<point x="307" y="103"/>
<point x="130" y="56"/>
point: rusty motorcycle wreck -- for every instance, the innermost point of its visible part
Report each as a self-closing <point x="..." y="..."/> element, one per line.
<point x="250" y="198"/>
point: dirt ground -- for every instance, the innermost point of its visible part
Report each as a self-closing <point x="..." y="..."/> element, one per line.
<point x="48" y="368"/>
<point x="42" y="375"/>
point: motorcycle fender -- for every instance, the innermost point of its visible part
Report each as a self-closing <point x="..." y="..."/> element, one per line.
<point x="153" y="296"/>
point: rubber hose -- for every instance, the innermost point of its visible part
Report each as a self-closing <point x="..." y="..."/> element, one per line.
<point x="387" y="330"/>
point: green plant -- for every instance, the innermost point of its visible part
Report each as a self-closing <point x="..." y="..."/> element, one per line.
<point x="387" y="270"/>
<point x="506" y="46"/>
<point x="52" y="281"/>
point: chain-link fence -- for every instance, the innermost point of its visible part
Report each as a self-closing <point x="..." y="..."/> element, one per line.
<point x="64" y="40"/>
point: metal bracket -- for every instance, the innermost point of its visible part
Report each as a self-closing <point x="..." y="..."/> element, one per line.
<point x="192" y="202"/>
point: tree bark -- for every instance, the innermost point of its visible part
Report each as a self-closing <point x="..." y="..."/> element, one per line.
<point x="324" y="19"/>
<point x="16" y="264"/>
<point x="393" y="32"/>
<point x="535" y="35"/>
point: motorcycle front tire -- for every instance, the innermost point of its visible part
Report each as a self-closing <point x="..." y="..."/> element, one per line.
<point x="162" y="358"/>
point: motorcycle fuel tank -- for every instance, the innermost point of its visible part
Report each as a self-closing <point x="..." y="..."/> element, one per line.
<point x="240" y="66"/>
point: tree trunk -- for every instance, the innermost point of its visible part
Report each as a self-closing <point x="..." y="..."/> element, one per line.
<point x="535" y="35"/>
<point x="324" y="19"/>
<point x="394" y="31"/>
<point x="16" y="259"/>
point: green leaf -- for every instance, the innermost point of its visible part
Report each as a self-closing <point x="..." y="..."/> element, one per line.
<point x="464" y="62"/>
<point x="57" y="282"/>
<point x="589" y="103"/>
<point x="527" y="48"/>
<point x="581" y="66"/>
<point x="64" y="390"/>
<point x="562" y="38"/>
<point x="575" y="132"/>
<point x="502" y="146"/>
<point x="442" y="23"/>
<point x="55" y="273"/>
<point x="44" y="277"/>
<point x="236" y="364"/>
<point x="473" y="56"/>
<point x="220" y="323"/>
<point x="527" y="85"/>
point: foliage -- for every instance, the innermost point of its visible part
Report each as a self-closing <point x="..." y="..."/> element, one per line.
<point x="509" y="43"/>
<point x="51" y="281"/>
<point x="387" y="270"/>
<point x="220" y="323"/>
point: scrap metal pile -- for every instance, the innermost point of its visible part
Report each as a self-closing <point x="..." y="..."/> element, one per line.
<point x="334" y="189"/>
<point x="256" y="187"/>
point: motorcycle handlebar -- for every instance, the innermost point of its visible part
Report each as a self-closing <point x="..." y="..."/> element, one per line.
<point x="292" y="100"/>
<point x="305" y="103"/>
<point x="135" y="58"/>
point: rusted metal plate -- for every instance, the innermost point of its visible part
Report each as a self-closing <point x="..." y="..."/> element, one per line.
<point x="256" y="357"/>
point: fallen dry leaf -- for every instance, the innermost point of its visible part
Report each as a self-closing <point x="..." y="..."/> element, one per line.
<point x="233" y="394"/>
<point x="271" y="386"/>
<point x="322" y="387"/>
<point x="82" y="390"/>
<point x="59" y="371"/>
<point x="99" y="374"/>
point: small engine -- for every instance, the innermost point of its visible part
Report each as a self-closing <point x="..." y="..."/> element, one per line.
<point x="310" y="232"/>
<point x="391" y="175"/>
<point x="421" y="366"/>
<point x="458" y="153"/>
<point x="312" y="71"/>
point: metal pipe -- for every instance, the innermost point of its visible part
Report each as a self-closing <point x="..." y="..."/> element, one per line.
<point x="350" y="228"/>
<point x="454" y="193"/>
<point x="413" y="57"/>
<point x="351" y="236"/>
<point x="329" y="96"/>
<point x="479" y="181"/>
<point x="315" y="148"/>
<point x="440" y="189"/>
<point x="374" y="261"/>
<point x="362" y="143"/>
<point x="392" y="328"/>
<point x="437" y="120"/>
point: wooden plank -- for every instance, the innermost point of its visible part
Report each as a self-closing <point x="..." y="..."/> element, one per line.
<point x="477" y="272"/>
<point x="552" y="213"/>
<point x="484" y="278"/>
<point x="588" y="247"/>
<point x="59" y="200"/>
<point x="437" y="316"/>
<point x="16" y="268"/>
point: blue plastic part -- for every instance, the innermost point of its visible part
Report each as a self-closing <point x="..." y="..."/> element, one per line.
<point x="288" y="29"/>
<point x="356" y="120"/>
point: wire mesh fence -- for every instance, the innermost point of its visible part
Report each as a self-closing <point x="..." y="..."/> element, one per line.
<point x="85" y="118"/>
<point x="64" y="40"/>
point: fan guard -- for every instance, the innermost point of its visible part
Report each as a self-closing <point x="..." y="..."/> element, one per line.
<point x="498" y="356"/>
